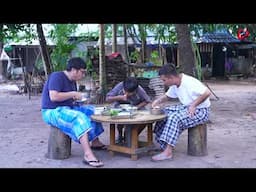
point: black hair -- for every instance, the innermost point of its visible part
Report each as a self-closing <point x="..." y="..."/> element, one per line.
<point x="130" y="84"/>
<point x="76" y="62"/>
<point x="168" y="69"/>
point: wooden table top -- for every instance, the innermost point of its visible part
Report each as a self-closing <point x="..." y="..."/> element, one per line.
<point x="141" y="117"/>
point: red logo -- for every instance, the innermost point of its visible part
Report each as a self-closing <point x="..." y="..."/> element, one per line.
<point x="242" y="33"/>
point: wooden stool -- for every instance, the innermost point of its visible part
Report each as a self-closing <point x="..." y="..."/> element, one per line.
<point x="197" y="140"/>
<point x="59" y="144"/>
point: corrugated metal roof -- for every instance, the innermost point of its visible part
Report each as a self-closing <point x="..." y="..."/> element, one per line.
<point x="151" y="40"/>
<point x="33" y="42"/>
<point x="218" y="37"/>
<point x="247" y="46"/>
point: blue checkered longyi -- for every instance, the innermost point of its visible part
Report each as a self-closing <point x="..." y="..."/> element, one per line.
<point x="74" y="122"/>
<point x="168" y="130"/>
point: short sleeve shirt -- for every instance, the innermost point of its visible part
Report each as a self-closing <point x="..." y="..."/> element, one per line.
<point x="135" y="99"/>
<point x="57" y="81"/>
<point x="189" y="90"/>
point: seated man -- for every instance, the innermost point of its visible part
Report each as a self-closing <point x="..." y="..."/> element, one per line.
<point x="193" y="109"/>
<point x="128" y="92"/>
<point x="59" y="110"/>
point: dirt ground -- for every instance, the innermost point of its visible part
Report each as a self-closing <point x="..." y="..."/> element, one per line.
<point x="231" y="134"/>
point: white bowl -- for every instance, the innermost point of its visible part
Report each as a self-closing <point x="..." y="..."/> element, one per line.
<point x="156" y="111"/>
<point x="128" y="107"/>
<point x="125" y="106"/>
<point x="98" y="110"/>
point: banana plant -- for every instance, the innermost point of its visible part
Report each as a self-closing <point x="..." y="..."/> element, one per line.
<point x="198" y="62"/>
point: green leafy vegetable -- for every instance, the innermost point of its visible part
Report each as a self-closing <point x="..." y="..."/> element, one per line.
<point x="113" y="112"/>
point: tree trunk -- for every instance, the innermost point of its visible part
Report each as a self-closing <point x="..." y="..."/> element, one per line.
<point x="143" y="35"/>
<point x="186" y="59"/>
<point x="114" y="41"/>
<point x="1" y="63"/>
<point x="144" y="50"/>
<point x="197" y="139"/>
<point x="126" y="44"/>
<point x="102" y="62"/>
<point x="44" y="50"/>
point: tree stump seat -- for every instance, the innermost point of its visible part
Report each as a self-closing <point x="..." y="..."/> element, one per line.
<point x="59" y="144"/>
<point x="197" y="140"/>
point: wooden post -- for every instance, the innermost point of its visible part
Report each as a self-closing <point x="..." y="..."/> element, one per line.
<point x="59" y="144"/>
<point x="197" y="140"/>
<point x="128" y="135"/>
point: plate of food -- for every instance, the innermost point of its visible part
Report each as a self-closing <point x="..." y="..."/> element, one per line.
<point x="128" y="107"/>
<point x="123" y="115"/>
<point x="111" y="112"/>
<point x="118" y="113"/>
<point x="99" y="110"/>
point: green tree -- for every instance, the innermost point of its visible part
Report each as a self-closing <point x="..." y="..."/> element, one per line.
<point x="60" y="35"/>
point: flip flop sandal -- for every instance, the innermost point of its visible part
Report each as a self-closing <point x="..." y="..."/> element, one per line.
<point x="161" y="157"/>
<point x="93" y="163"/>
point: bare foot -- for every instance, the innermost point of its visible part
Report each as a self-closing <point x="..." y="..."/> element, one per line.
<point x="161" y="157"/>
<point x="97" y="143"/>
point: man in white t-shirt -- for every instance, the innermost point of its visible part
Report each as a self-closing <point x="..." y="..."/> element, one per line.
<point x="193" y="109"/>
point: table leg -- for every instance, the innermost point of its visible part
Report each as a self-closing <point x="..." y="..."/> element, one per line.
<point x="112" y="134"/>
<point x="134" y="141"/>
<point x="128" y="135"/>
<point x="150" y="134"/>
<point x="134" y="157"/>
<point x="111" y="153"/>
<point x="112" y="137"/>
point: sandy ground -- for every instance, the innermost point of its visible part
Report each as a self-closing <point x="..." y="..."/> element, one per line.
<point x="231" y="134"/>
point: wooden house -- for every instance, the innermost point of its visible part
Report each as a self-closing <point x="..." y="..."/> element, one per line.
<point x="223" y="54"/>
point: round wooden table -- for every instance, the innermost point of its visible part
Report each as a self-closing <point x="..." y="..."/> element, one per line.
<point x="141" y="119"/>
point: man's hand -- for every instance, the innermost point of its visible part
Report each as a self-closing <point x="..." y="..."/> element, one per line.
<point x="77" y="95"/>
<point x="155" y="103"/>
<point x="191" y="110"/>
<point x="124" y="97"/>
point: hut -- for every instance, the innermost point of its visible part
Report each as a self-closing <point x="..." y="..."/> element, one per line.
<point x="222" y="54"/>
